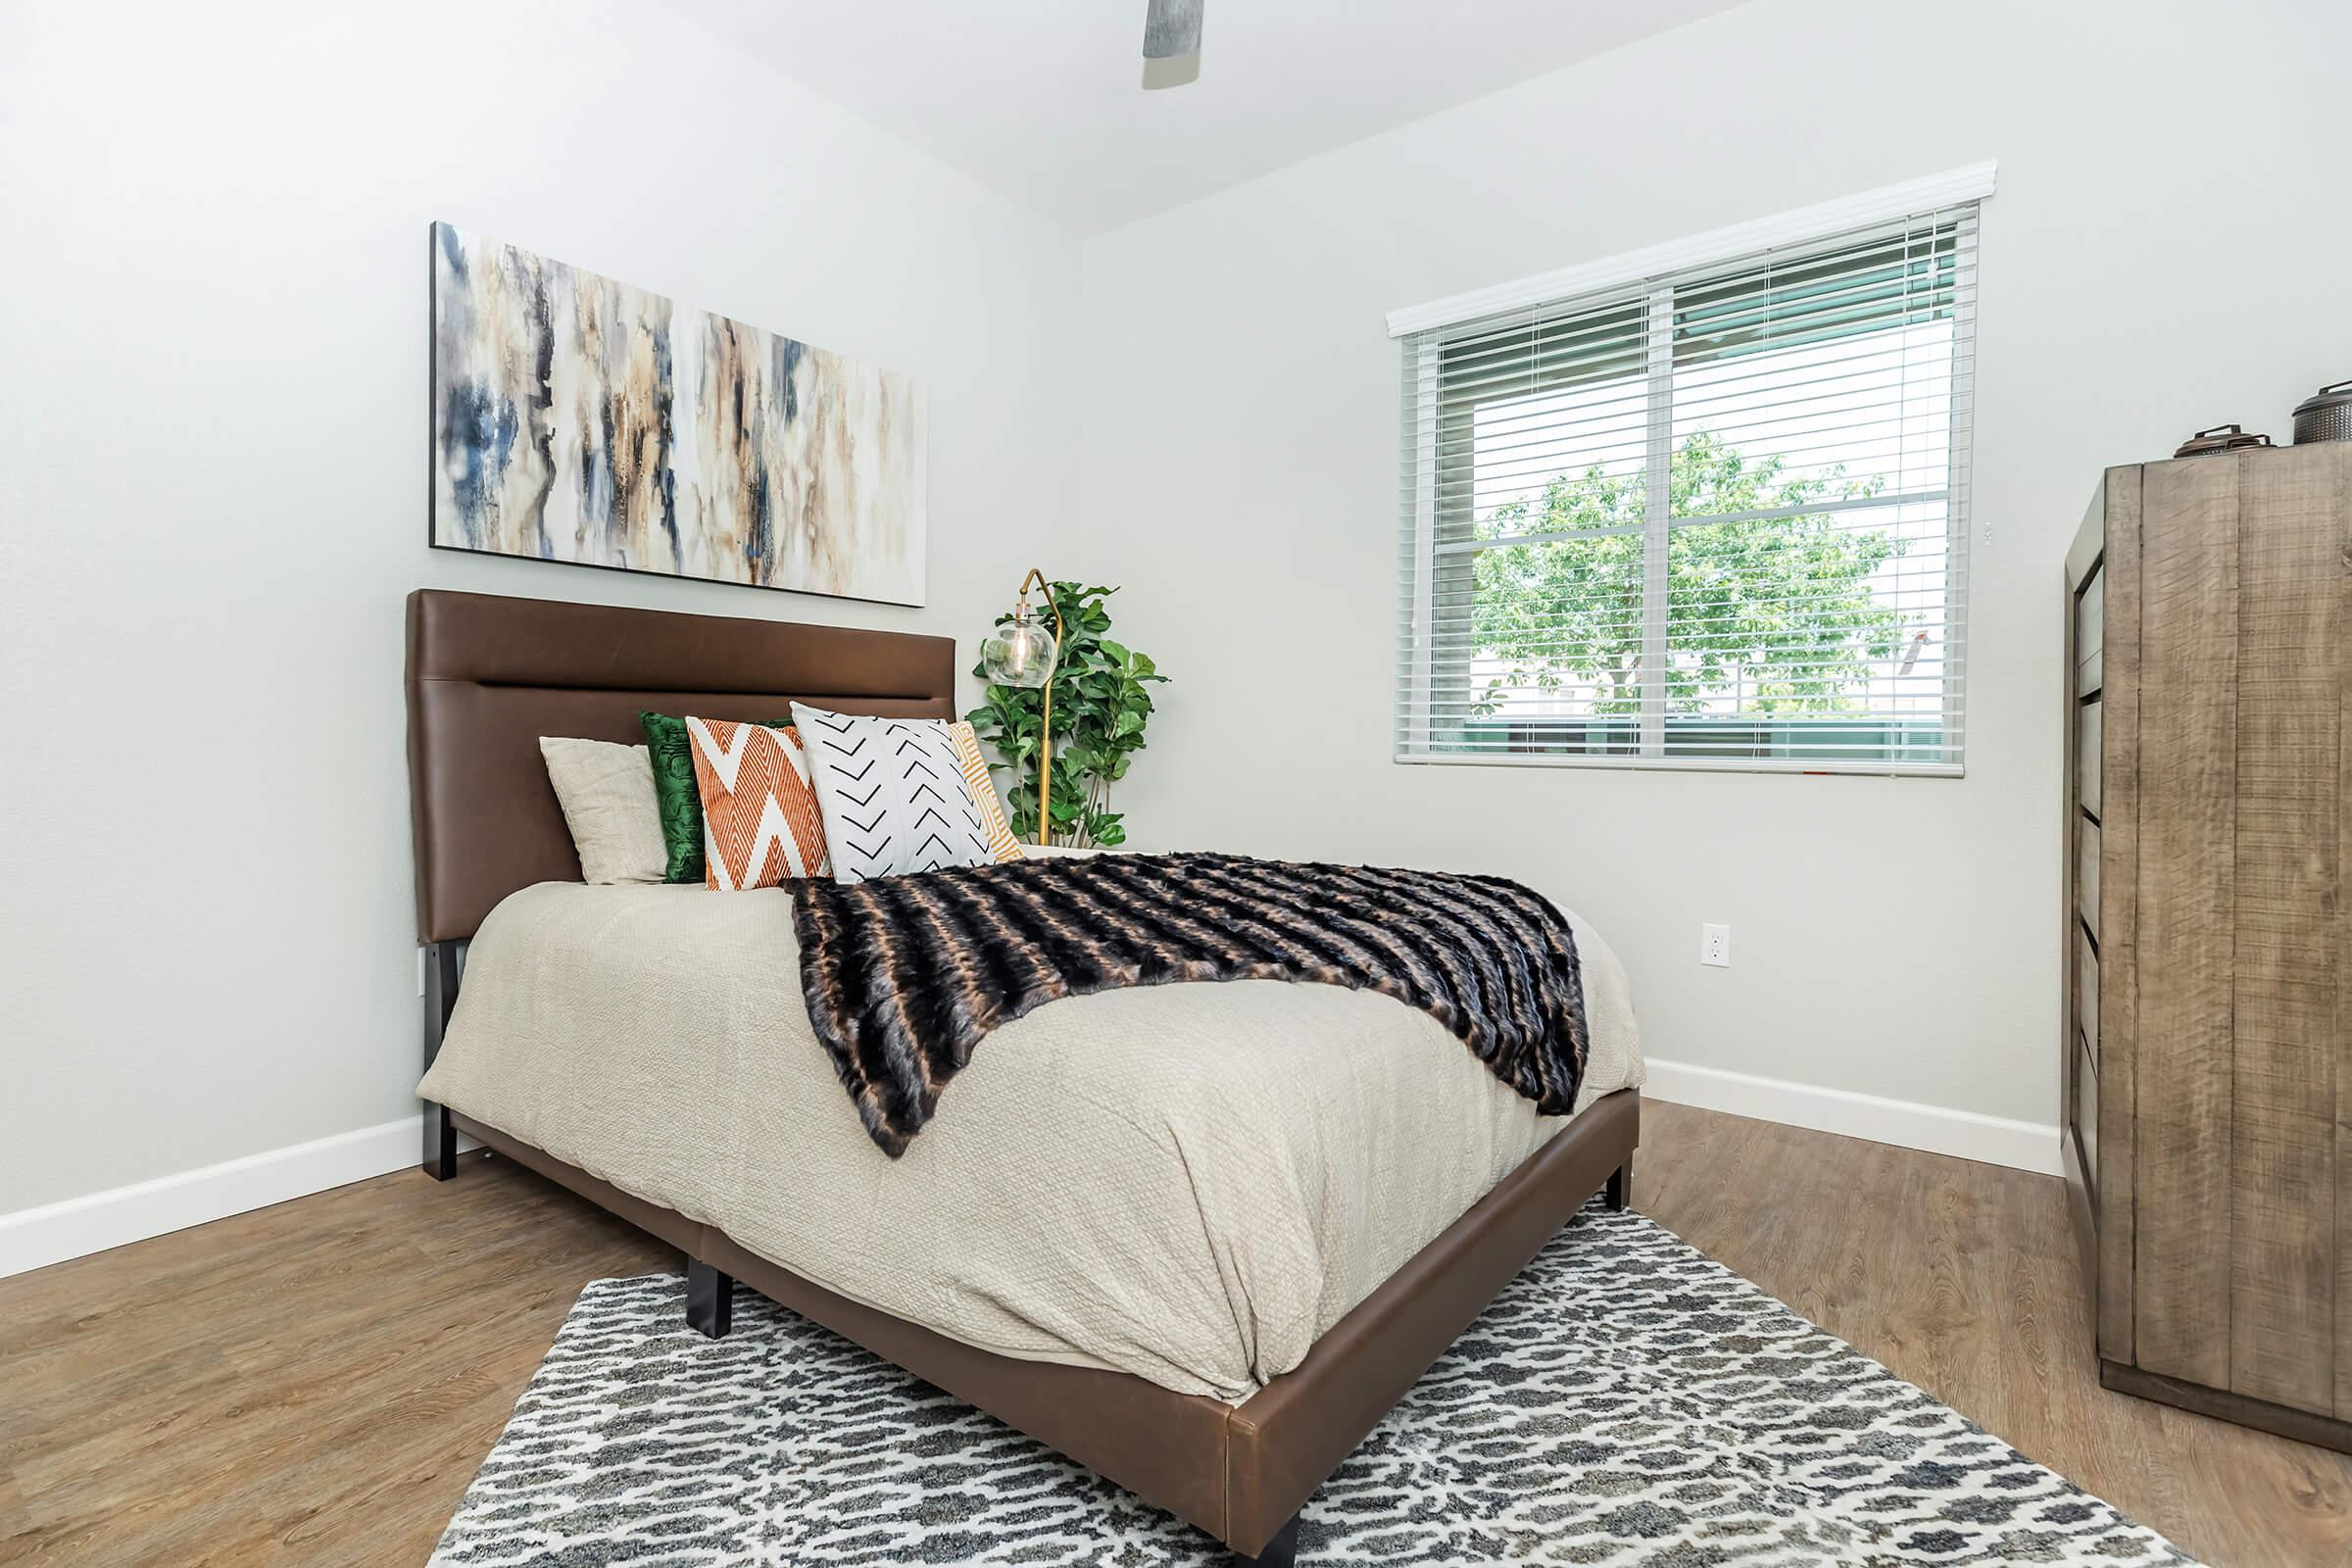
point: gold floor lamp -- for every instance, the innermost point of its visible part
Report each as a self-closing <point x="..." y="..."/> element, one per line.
<point x="1023" y="655"/>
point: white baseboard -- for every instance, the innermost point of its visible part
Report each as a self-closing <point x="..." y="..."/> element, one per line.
<point x="1994" y="1140"/>
<point x="34" y="1237"/>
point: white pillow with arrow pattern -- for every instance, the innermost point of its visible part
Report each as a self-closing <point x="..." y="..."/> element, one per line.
<point x="894" y="793"/>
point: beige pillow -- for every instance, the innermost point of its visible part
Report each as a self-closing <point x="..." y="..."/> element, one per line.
<point x="607" y="792"/>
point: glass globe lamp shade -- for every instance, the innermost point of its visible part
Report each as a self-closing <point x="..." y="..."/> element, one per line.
<point x="1018" y="654"/>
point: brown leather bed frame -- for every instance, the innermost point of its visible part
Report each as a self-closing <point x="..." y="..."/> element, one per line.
<point x="487" y="677"/>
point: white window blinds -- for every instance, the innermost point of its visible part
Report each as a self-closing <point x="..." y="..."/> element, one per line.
<point x="1711" y="515"/>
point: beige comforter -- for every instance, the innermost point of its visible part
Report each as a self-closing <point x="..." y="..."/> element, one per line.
<point x="1189" y="1183"/>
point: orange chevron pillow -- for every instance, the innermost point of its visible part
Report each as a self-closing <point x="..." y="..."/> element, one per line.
<point x="760" y="824"/>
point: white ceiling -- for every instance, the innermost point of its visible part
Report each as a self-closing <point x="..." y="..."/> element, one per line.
<point x="1044" y="100"/>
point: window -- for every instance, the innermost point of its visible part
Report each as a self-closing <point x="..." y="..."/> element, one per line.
<point x="1709" y="513"/>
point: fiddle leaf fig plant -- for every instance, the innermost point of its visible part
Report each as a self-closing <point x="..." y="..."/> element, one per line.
<point x="1102" y="704"/>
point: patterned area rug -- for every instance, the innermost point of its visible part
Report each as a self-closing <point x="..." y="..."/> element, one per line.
<point x="1626" y="1402"/>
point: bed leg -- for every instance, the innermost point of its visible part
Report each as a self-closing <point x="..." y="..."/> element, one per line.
<point x="1280" y="1552"/>
<point x="440" y="1160"/>
<point x="440" y="1156"/>
<point x="1619" y="1192"/>
<point x="710" y="1300"/>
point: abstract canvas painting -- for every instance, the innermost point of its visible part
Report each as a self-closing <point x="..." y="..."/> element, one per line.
<point x="579" y="420"/>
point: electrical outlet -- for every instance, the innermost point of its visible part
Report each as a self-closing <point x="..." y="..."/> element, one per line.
<point x="1715" y="946"/>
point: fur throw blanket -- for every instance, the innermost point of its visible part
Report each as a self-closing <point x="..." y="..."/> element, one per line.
<point x="905" y="974"/>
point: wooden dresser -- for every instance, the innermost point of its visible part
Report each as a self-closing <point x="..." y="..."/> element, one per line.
<point x="2208" y="998"/>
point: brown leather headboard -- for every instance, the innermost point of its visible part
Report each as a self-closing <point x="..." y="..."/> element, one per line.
<point x="488" y="676"/>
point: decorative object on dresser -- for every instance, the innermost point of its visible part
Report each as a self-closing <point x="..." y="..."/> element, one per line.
<point x="2208" y="994"/>
<point x="1107" y="705"/>
<point x="579" y="420"/>
<point x="2218" y="439"/>
<point x="2326" y="414"/>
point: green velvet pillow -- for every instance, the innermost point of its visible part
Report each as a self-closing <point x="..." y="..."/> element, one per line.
<point x="678" y="795"/>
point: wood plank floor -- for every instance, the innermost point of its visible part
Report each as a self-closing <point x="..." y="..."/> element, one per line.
<point x="314" y="1383"/>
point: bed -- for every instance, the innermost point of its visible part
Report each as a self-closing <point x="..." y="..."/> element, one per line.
<point x="1291" y="1234"/>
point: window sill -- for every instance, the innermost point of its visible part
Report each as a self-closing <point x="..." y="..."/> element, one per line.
<point x="1683" y="764"/>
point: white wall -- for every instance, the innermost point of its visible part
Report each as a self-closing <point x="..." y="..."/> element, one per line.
<point x="213" y="320"/>
<point x="2167" y="250"/>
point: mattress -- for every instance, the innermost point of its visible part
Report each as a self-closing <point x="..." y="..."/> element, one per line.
<point x="1189" y="1183"/>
